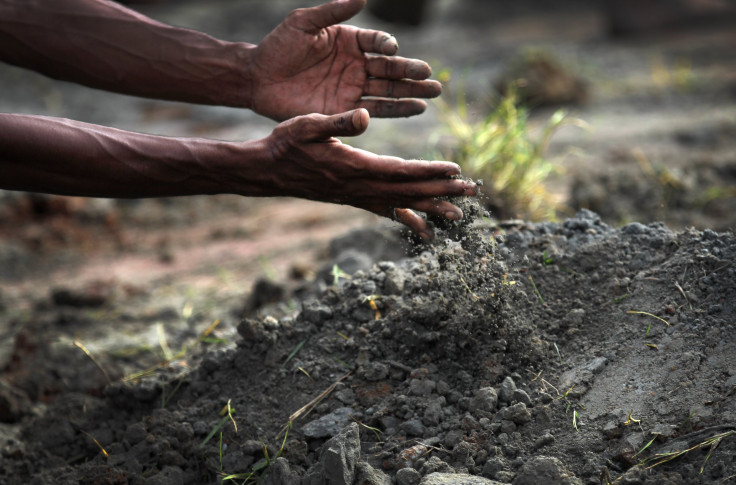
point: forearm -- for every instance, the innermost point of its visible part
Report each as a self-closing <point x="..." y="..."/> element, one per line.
<point x="61" y="156"/>
<point x="104" y="45"/>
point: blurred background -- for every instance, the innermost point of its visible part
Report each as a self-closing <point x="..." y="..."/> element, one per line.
<point x="623" y="107"/>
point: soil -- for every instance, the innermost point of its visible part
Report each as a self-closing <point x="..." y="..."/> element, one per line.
<point x="586" y="351"/>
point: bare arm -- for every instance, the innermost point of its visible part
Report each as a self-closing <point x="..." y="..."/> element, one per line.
<point x="301" y="158"/>
<point x="104" y="45"/>
<point x="308" y="64"/>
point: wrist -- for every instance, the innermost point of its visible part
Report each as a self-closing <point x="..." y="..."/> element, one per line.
<point x="237" y="90"/>
<point x="242" y="168"/>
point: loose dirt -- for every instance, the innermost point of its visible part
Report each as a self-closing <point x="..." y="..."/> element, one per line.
<point x="550" y="353"/>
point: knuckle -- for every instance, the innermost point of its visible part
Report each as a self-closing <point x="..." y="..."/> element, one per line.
<point x="296" y="17"/>
<point x="387" y="108"/>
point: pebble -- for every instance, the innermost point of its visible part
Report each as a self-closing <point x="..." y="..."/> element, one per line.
<point x="517" y="413"/>
<point x="422" y="387"/>
<point x="506" y="393"/>
<point x="412" y="427"/>
<point x="438" y="478"/>
<point x="545" y="470"/>
<point x="375" y="371"/>
<point x="544" y="440"/>
<point x="521" y="396"/>
<point x="340" y="455"/>
<point x="484" y="400"/>
<point x="407" y="476"/>
<point x="329" y="424"/>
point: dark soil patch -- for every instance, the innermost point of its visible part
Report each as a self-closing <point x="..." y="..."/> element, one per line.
<point x="520" y="362"/>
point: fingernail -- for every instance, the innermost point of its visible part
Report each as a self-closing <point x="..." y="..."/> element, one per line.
<point x="452" y="215"/>
<point x="419" y="70"/>
<point x="389" y="44"/>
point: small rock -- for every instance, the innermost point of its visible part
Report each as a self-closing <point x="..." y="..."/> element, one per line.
<point x="462" y="451"/>
<point x="452" y="438"/>
<point x="507" y="426"/>
<point x="521" y="396"/>
<point x="443" y="388"/>
<point x="339" y="456"/>
<point x="394" y="283"/>
<point x="547" y="470"/>
<point x="407" y="476"/>
<point x="422" y="387"/>
<point x="279" y="473"/>
<point x="135" y="433"/>
<point x="434" y="465"/>
<point x="485" y="400"/>
<point x="315" y="312"/>
<point x="597" y="365"/>
<point x="367" y="475"/>
<point x="517" y="413"/>
<point x="329" y="424"/>
<point x="506" y="393"/>
<point x="438" y="478"/>
<point x="611" y="430"/>
<point x="412" y="427"/>
<point x="237" y="460"/>
<point x="544" y="440"/>
<point x="505" y="476"/>
<point x="375" y="371"/>
<point x="492" y="466"/>
<point x="433" y="414"/>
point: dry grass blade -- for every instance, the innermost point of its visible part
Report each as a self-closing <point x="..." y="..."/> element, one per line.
<point x="86" y="351"/>
<point x="307" y="408"/>
<point x="102" y="449"/>
<point x="636" y="312"/>
<point x="711" y="443"/>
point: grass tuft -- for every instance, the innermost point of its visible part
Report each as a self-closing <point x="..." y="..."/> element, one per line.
<point x="501" y="150"/>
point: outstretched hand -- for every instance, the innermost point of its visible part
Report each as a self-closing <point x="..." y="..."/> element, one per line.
<point x="309" y="162"/>
<point x="308" y="64"/>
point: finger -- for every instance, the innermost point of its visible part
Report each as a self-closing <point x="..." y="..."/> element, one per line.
<point x="377" y="42"/>
<point x="316" y="18"/>
<point x="438" y="207"/>
<point x="397" y="68"/>
<point x="414" y="222"/>
<point x="320" y="127"/>
<point x="414" y="192"/>
<point x="393" y="170"/>
<point x="401" y="89"/>
<point x="392" y="108"/>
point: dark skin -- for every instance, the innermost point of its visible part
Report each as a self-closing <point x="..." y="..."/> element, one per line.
<point x="329" y="79"/>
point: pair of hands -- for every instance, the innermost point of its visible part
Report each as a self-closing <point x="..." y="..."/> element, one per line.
<point x="336" y="77"/>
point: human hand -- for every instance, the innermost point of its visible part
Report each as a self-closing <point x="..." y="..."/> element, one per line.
<point x="308" y="64"/>
<point x="307" y="161"/>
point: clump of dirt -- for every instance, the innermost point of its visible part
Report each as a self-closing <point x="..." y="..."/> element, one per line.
<point x="556" y="353"/>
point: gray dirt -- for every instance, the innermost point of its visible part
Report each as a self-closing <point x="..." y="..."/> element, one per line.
<point x="554" y="353"/>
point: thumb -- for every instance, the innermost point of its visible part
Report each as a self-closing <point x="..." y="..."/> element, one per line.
<point x="316" y="18"/>
<point x="350" y="123"/>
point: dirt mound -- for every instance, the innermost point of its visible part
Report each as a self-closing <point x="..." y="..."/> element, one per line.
<point x="557" y="353"/>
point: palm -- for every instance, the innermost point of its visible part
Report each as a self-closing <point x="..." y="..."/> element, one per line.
<point x="323" y="73"/>
<point x="310" y="65"/>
